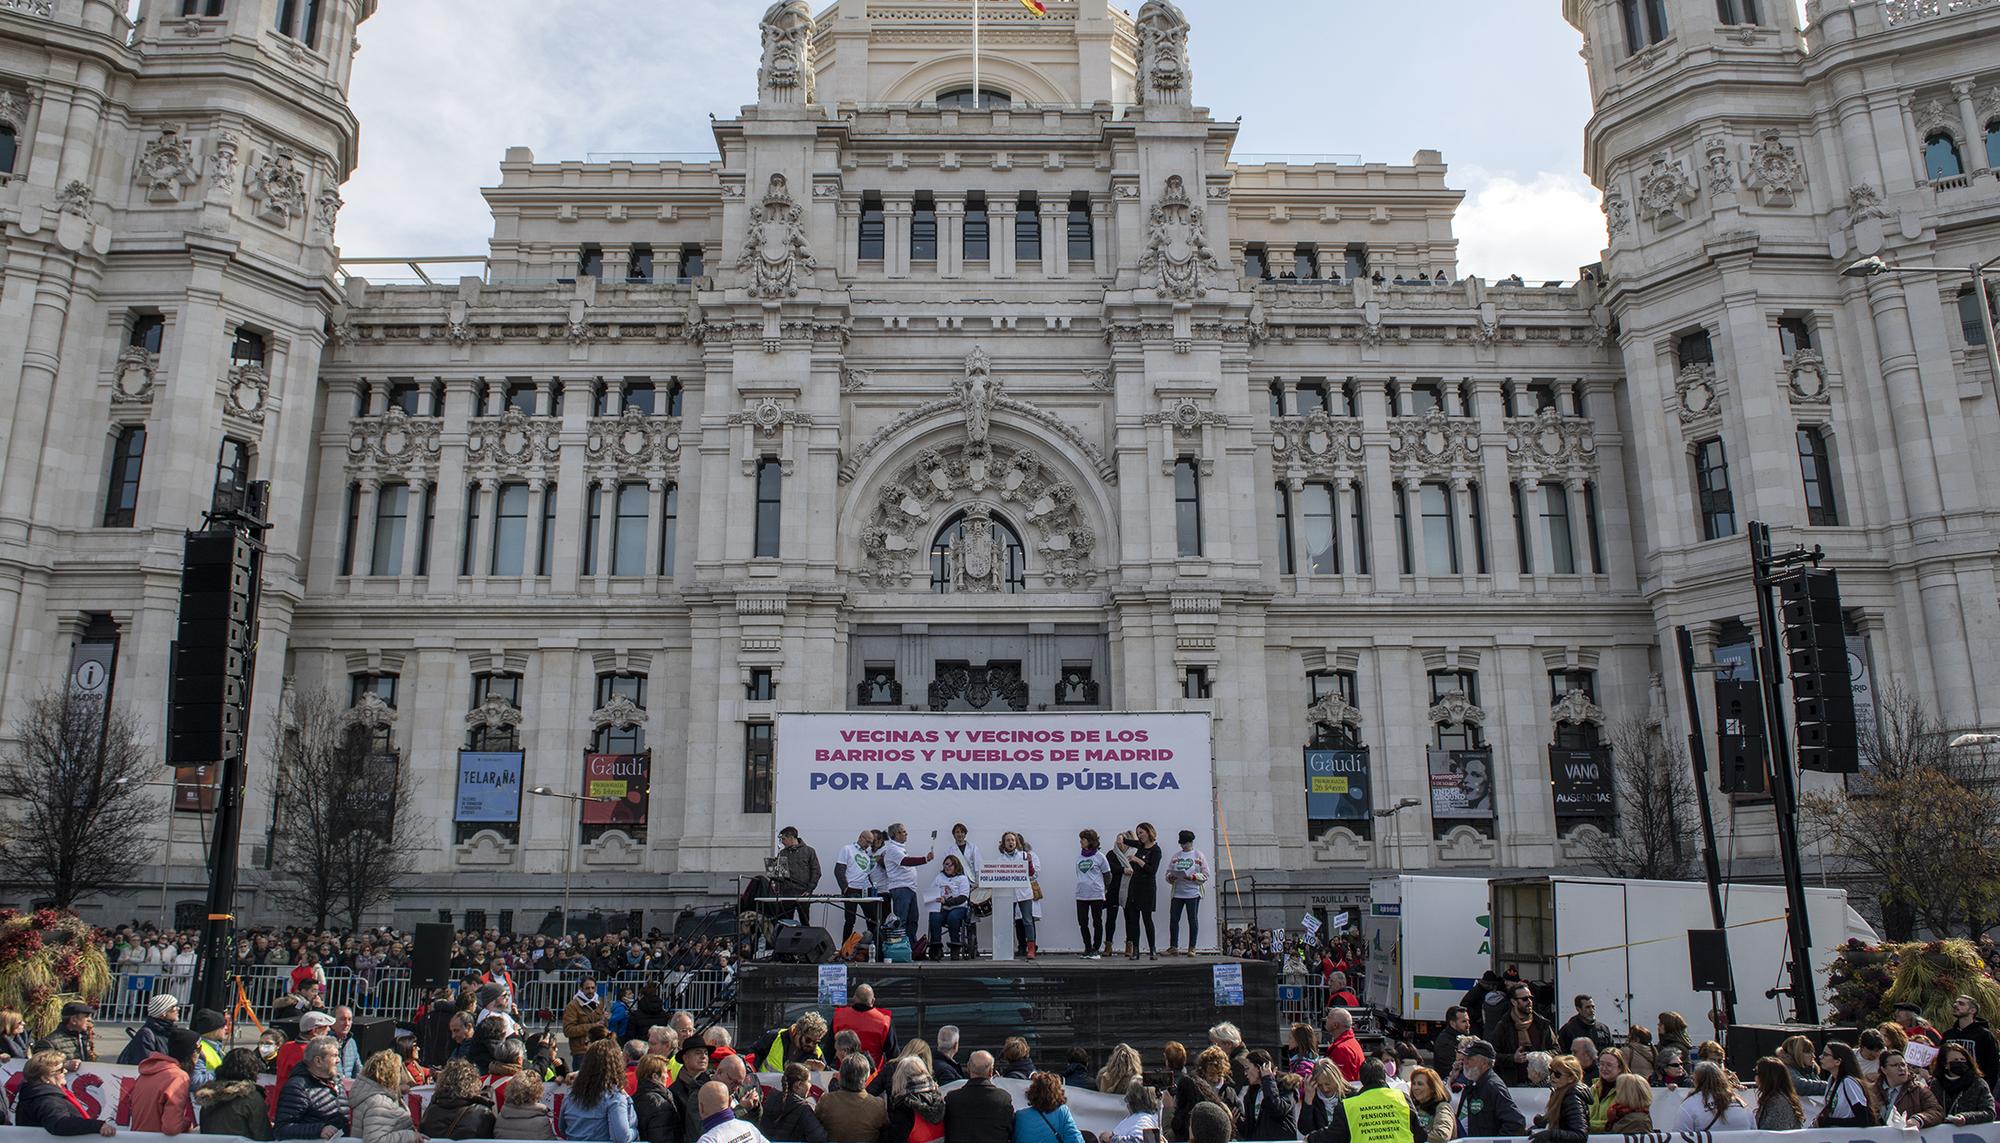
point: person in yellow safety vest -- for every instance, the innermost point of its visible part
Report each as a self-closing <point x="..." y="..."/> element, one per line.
<point x="208" y="1025"/>
<point x="1377" y="1113"/>
<point x="796" y="1044"/>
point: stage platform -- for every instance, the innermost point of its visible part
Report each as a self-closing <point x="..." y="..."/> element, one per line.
<point x="1057" y="1002"/>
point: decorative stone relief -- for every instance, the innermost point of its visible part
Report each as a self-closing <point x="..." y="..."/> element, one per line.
<point x="631" y="444"/>
<point x="854" y="380"/>
<point x="776" y="252"/>
<point x="1694" y="393"/>
<point x="915" y="501"/>
<point x="370" y="713"/>
<point x="1864" y="201"/>
<point x="394" y="441"/>
<point x="43" y="8"/>
<point x="1715" y="155"/>
<point x="1935" y="115"/>
<point x="977" y="391"/>
<point x="167" y="165"/>
<point x="1453" y="708"/>
<point x="1549" y="445"/>
<point x="768" y="425"/>
<point x="576" y="329"/>
<point x="1464" y="845"/>
<point x="1617" y="212"/>
<point x="1100" y="379"/>
<point x="1805" y="378"/>
<point x="1164" y="75"/>
<point x="486" y="849"/>
<point x="1177" y="251"/>
<point x="615" y="849"/>
<point x="277" y="184"/>
<point x="513" y="443"/>
<point x="786" y="74"/>
<point x="14" y="110"/>
<point x="326" y="211"/>
<point x="74" y="198"/>
<point x="620" y="713"/>
<point x="1317" y="445"/>
<point x="975" y="560"/>
<point x="1332" y="710"/>
<point x="1186" y="424"/>
<point x="222" y="171"/>
<point x="247" y="391"/>
<point x="496" y="713"/>
<point x="134" y="376"/>
<point x="1774" y="170"/>
<point x="1433" y="444"/>
<point x="1340" y="846"/>
<point x="1576" y="709"/>
<point x="1666" y="191"/>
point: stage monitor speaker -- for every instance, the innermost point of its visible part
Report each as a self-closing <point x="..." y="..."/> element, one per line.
<point x="374" y="1035"/>
<point x="802" y="944"/>
<point x="430" y="962"/>
<point x="1708" y="960"/>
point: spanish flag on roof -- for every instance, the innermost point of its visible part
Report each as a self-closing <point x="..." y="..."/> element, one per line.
<point x="1035" y="6"/>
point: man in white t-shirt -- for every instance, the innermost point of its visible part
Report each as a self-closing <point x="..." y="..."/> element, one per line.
<point x="1187" y="872"/>
<point x="899" y="876"/>
<point x="851" y="872"/>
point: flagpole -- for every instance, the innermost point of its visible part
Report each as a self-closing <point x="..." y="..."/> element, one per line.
<point x="975" y="55"/>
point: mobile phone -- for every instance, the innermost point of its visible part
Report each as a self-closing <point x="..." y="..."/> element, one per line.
<point x="933" y="835"/>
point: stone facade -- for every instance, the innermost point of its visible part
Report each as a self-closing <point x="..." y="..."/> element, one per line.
<point x="1042" y="402"/>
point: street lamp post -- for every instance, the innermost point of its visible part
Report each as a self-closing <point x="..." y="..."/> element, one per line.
<point x="569" y="841"/>
<point x="1394" y="816"/>
<point x="1874" y="266"/>
<point x="167" y="842"/>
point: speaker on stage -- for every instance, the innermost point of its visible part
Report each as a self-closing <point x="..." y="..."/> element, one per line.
<point x="430" y="960"/>
<point x="802" y="944"/>
<point x="1708" y="960"/>
<point x="373" y="1035"/>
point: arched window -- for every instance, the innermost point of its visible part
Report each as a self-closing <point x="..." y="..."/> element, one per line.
<point x="961" y="97"/>
<point x="1941" y="157"/>
<point x="8" y="145"/>
<point x="1007" y="545"/>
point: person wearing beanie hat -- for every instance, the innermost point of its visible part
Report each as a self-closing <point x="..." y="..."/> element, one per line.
<point x="163" y="1013"/>
<point x="208" y="1050"/>
<point x="1486" y="1108"/>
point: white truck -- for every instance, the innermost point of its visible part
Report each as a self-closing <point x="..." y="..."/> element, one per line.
<point x="1428" y="941"/>
<point x="1625" y="944"/>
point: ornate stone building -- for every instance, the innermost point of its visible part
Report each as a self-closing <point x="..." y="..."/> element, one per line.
<point x="1038" y="400"/>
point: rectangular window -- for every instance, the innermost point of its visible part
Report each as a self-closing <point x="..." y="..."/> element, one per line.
<point x="593" y="518"/>
<point x="350" y="529"/>
<point x="299" y="19"/>
<point x="1645" y="23"/>
<point x="1736" y="11"/>
<point x="1312" y="398"/>
<point x="1422" y="397"/>
<point x="247" y="349"/>
<point x="121" y="494"/>
<point x="1475" y="506"/>
<point x="545" y="559"/>
<point x="1713" y="501"/>
<point x="1082" y="242"/>
<point x="874" y="229"/>
<point x="1969" y="323"/>
<point x="757" y="767"/>
<point x="201" y="7"/>
<point x="978" y="229"/>
<point x="1028" y="228"/>
<point x="1320" y="684"/>
<point x="469" y="546"/>
<point x="1408" y="565"/>
<point x="637" y="394"/>
<point x="1355" y="261"/>
<point x="148" y="330"/>
<point x="693" y="263"/>
<point x="510" y="530"/>
<point x="1816" y="467"/>
<point x="232" y="474"/>
<point x="1358" y="509"/>
<point x="1555" y="525"/>
<point x="1277" y="399"/>
<point x="1694" y="348"/>
<point x="628" y="532"/>
<point x="1440" y="534"/>
<point x="878" y="686"/>
<point x="1794" y="334"/>
<point x="1574" y="735"/>
<point x="1286" y="565"/>
<point x="1456" y="735"/>
<point x="669" y="518"/>
<point x="1521" y="533"/>
<point x="676" y="392"/>
<point x="1590" y="517"/>
<point x="762" y="686"/>
<point x="1305" y="262"/>
<point x="590" y="262"/>
<point x="403" y="396"/>
<point x="923" y="229"/>
<point x="1255" y="265"/>
<point x="392" y="514"/>
<point x="520" y="396"/>
<point x="639" y="265"/>
<point x="1187" y="507"/>
<point x="382" y="686"/>
<point x="770" y="477"/>
<point x="613" y="739"/>
<point x="1322" y="538"/>
<point x="424" y="531"/>
<point x="1196" y="684"/>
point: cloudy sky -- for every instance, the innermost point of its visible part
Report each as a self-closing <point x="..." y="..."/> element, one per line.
<point x="443" y="87"/>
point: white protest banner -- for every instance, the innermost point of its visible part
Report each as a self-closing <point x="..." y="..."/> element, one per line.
<point x="997" y="871"/>
<point x="1309" y="925"/>
<point x="1042" y="775"/>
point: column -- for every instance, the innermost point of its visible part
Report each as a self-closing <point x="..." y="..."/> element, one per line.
<point x="1104" y="231"/>
<point x="378" y="397"/>
<point x="413" y="525"/>
<point x="1000" y="225"/>
<point x="1461" y="524"/>
<point x="482" y="544"/>
<point x="542" y="397"/>
<point x="1531" y="527"/>
<point x="951" y="237"/>
<point x="1295" y="488"/>
<point x="1289" y="386"/>
<point x="531" y="560"/>
<point x="849" y="212"/>
<point x="364" y="528"/>
<point x="667" y="264"/>
<point x="1582" y="528"/>
<point x="896" y="224"/>
<point x="1055" y="239"/>
<point x="1968" y="118"/>
<point x="1343" y="515"/>
<point x="656" y="501"/>
<point x="493" y="396"/>
<point x="1913" y="144"/>
<point x="607" y="511"/>
<point x="1410" y="492"/>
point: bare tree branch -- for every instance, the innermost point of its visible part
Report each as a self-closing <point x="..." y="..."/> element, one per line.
<point x="1658" y="819"/>
<point x="74" y="787"/>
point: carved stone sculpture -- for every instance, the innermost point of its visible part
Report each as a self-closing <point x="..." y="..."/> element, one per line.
<point x="976" y="394"/>
<point x="167" y="165"/>
<point x="1666" y="191"/>
<point x="1164" y="76"/>
<point x="1177" y="252"/>
<point x="1715" y="154"/>
<point x="326" y="211"/>
<point x="1774" y="171"/>
<point x="975" y="560"/>
<point x="786" y="75"/>
<point x="776" y="252"/>
<point x="1617" y="212"/>
<point x="277" y="184"/>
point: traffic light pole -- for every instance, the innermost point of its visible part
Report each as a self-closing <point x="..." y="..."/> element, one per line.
<point x="1804" y="989"/>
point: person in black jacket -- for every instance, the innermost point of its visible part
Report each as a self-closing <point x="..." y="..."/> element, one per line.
<point x="1374" y="1078"/>
<point x="977" y="1111"/>
<point x="1015" y="1060"/>
<point x="1584" y="1025"/>
<point x="1444" y="1050"/>
<point x="790" y="1117"/>
<point x="1567" y="1118"/>
<point x="1967" y="1025"/>
<point x="312" y="1104"/>
<point x="163" y="1014"/>
<point x="649" y="1011"/>
<point x="1270" y="1111"/>
<point x="658" y="1112"/>
<point x="42" y="1102"/>
<point x="687" y="1089"/>
<point x="1486" y="1107"/>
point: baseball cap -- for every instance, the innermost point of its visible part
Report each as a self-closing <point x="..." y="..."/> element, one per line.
<point x="315" y="1020"/>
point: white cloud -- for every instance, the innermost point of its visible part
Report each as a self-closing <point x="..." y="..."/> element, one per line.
<point x="1543" y="229"/>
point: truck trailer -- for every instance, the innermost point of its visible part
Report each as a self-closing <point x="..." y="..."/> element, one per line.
<point x="1428" y="941"/>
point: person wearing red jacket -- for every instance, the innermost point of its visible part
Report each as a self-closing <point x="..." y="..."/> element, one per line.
<point x="159" y="1100"/>
<point x="874" y="1026"/>
<point x="1341" y="1046"/>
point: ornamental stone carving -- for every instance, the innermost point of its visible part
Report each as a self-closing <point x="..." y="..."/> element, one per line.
<point x="14" y="110"/>
<point x="976" y="560"/>
<point x="966" y="395"/>
<point x="1805" y="378"/>
<point x="277" y="184"/>
<point x="1177" y="251"/>
<point x="1453" y="708"/>
<point x="776" y="253"/>
<point x="1715" y="155"/>
<point x="513" y="443"/>
<point x="222" y="171"/>
<point x="854" y="380"/>
<point x="1694" y="393"/>
<point x="1774" y="171"/>
<point x="909" y="507"/>
<point x="1864" y="201"/>
<point x="1617" y="212"/>
<point x="74" y="198"/>
<point x="620" y="713"/>
<point x="1317" y="445"/>
<point x="246" y="392"/>
<point x="1164" y="75"/>
<point x="1666" y="191"/>
<point x="394" y="440"/>
<point x="326" y="211"/>
<point x="1332" y="710"/>
<point x="370" y="712"/>
<point x="786" y="74"/>
<point x="496" y="713"/>
<point x="633" y="443"/>
<point x="1549" y="445"/>
<point x="134" y="376"/>
<point x="1576" y="709"/>
<point x="977" y="391"/>
<point x="1434" y="444"/>
<point x="167" y="165"/>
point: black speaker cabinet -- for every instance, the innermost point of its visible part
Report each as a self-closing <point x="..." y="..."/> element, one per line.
<point x="430" y="962"/>
<point x="802" y="944"/>
<point x="1708" y="960"/>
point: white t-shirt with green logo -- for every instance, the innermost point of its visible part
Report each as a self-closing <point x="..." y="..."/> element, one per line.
<point x="1091" y="870"/>
<point x="1190" y="867"/>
